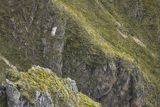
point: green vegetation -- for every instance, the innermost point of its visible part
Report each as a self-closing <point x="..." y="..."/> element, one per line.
<point x="44" y="80"/>
<point x="21" y="43"/>
<point x="110" y="26"/>
<point x="117" y="31"/>
<point x="85" y="101"/>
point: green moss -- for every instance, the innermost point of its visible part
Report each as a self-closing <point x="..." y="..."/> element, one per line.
<point x="44" y="80"/>
<point x="100" y="20"/>
<point x="85" y="101"/>
<point x="97" y="20"/>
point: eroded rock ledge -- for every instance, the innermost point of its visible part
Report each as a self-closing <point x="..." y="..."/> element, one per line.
<point x="40" y="87"/>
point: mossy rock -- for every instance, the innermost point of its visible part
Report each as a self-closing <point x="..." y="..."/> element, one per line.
<point x="44" y="80"/>
<point x="98" y="22"/>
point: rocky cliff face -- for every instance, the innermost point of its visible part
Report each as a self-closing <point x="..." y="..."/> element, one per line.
<point x="36" y="30"/>
<point x="40" y="87"/>
<point x="114" y="83"/>
<point x="111" y="49"/>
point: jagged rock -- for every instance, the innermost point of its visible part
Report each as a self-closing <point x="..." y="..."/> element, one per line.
<point x="2" y="90"/>
<point x="14" y="98"/>
<point x="43" y="100"/>
<point x="116" y="83"/>
<point x="37" y="93"/>
<point x="13" y="95"/>
<point x="73" y="85"/>
<point x="118" y="87"/>
<point x="82" y="40"/>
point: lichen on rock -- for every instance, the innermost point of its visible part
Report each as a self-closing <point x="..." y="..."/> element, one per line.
<point x="40" y="87"/>
<point x="94" y="42"/>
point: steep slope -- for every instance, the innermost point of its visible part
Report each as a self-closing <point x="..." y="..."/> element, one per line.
<point x="118" y="28"/>
<point x="40" y="87"/>
<point x="110" y="47"/>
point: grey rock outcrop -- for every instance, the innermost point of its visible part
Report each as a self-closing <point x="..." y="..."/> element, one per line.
<point x="14" y="98"/>
<point x="35" y="92"/>
<point x="119" y="86"/>
<point x="13" y="95"/>
<point x="36" y="33"/>
<point x="73" y="85"/>
<point x="111" y="81"/>
<point x="2" y="90"/>
<point x="43" y="100"/>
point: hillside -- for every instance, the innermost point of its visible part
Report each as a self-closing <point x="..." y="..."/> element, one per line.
<point x="110" y="47"/>
<point x="41" y="87"/>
